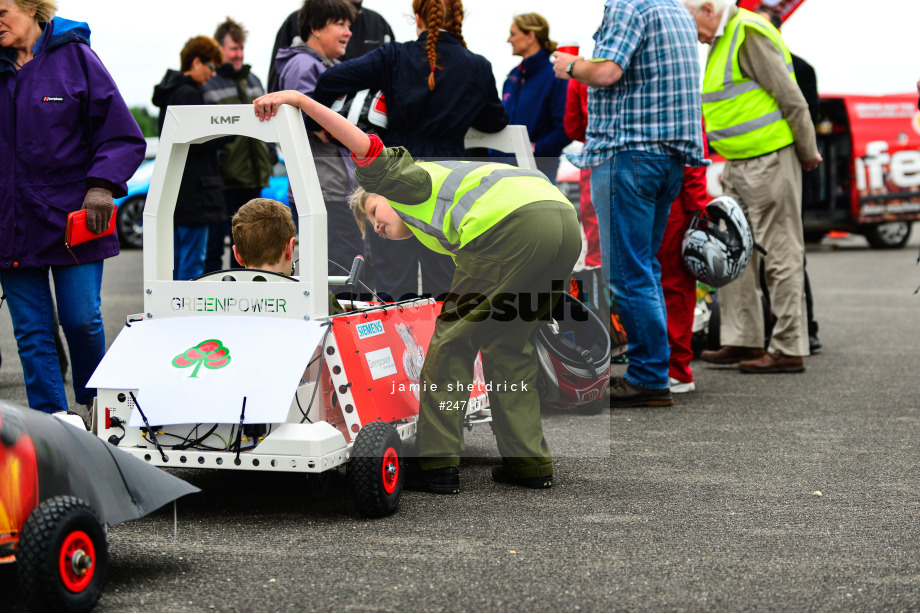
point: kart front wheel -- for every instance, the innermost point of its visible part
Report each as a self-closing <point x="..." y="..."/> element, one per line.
<point x="375" y="473"/>
<point x="62" y="557"/>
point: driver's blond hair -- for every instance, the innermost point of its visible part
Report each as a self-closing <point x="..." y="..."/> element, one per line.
<point x="357" y="202"/>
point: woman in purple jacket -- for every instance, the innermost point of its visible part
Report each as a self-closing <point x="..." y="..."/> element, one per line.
<point x="69" y="143"/>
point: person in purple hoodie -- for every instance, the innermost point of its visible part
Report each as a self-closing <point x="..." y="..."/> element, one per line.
<point x="324" y="27"/>
<point x="69" y="143"/>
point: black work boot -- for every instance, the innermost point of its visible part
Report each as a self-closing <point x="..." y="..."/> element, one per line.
<point x="499" y="475"/>
<point x="441" y="481"/>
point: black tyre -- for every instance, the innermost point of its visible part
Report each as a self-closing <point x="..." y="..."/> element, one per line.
<point x="129" y="222"/>
<point x="375" y="473"/>
<point x="890" y="235"/>
<point x="594" y="407"/>
<point x="63" y="557"/>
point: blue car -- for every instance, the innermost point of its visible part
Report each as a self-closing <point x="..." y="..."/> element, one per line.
<point x="129" y="223"/>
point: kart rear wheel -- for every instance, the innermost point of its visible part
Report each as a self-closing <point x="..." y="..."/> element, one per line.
<point x="714" y="329"/>
<point x="375" y="472"/>
<point x="710" y="337"/>
<point x="63" y="557"/>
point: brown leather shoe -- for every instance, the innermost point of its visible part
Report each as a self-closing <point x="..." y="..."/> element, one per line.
<point x="623" y="393"/>
<point x="773" y="362"/>
<point x="730" y="354"/>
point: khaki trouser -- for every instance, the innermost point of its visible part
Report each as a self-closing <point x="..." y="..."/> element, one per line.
<point x="769" y="190"/>
<point x="519" y="258"/>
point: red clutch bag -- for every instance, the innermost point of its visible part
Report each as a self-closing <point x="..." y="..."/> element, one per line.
<point x="77" y="232"/>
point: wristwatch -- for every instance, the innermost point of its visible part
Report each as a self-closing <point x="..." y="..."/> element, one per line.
<point x="570" y="68"/>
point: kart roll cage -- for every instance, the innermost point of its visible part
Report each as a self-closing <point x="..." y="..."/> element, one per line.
<point x="190" y="125"/>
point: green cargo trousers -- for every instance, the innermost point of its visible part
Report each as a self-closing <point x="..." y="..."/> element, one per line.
<point x="500" y="295"/>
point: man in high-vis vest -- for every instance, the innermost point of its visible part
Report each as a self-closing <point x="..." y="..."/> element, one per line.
<point x="757" y="118"/>
<point x="515" y="238"/>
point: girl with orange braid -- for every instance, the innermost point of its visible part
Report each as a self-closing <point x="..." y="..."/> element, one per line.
<point x="435" y="91"/>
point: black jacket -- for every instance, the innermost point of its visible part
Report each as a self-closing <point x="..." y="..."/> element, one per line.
<point x="201" y="200"/>
<point x="808" y="83"/>
<point x="369" y="31"/>
<point x="431" y="124"/>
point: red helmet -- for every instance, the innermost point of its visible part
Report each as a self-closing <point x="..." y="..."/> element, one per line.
<point x="574" y="354"/>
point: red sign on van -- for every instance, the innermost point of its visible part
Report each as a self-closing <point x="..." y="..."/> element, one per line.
<point x="869" y="181"/>
<point x="885" y="136"/>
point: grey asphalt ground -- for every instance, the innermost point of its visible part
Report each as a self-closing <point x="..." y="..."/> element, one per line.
<point x="705" y="506"/>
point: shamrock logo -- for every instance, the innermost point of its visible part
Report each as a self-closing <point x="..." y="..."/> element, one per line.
<point x="211" y="353"/>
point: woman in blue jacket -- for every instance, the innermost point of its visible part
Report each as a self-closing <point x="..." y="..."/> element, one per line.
<point x="69" y="143"/>
<point x="533" y="95"/>
<point x="435" y="90"/>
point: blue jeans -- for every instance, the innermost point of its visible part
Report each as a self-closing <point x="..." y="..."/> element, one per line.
<point x="77" y="289"/>
<point x="190" y="245"/>
<point x="632" y="194"/>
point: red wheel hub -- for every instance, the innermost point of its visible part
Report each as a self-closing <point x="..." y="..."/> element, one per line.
<point x="390" y="470"/>
<point x="77" y="561"/>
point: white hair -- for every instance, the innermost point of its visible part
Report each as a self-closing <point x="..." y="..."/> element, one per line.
<point x="717" y="5"/>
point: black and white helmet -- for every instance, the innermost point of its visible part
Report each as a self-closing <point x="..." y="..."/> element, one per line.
<point x="718" y="245"/>
<point x="365" y="109"/>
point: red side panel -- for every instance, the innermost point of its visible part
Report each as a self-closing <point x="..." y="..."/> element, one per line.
<point x="383" y="353"/>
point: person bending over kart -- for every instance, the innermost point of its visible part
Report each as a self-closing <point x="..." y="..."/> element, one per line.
<point x="263" y="238"/>
<point x="512" y="234"/>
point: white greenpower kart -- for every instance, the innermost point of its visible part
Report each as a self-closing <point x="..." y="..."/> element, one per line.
<point x="245" y="369"/>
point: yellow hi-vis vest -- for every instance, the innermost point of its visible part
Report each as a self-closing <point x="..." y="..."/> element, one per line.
<point x="468" y="198"/>
<point x="742" y="119"/>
